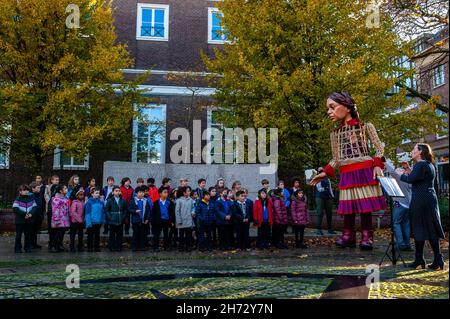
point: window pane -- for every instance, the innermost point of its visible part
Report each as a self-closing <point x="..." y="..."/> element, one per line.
<point x="2" y="159"/>
<point x="78" y="162"/>
<point x="150" y="135"/>
<point x="65" y="160"/>
<point x="159" y="16"/>
<point x="147" y="16"/>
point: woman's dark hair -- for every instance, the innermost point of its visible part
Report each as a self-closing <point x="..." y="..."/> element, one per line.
<point x="59" y="188"/>
<point x="124" y="180"/>
<point x="427" y="153"/>
<point x="165" y="180"/>
<point x="345" y="99"/>
<point x="262" y="190"/>
<point x="24" y="187"/>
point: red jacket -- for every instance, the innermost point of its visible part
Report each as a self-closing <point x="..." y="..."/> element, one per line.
<point x="153" y="193"/>
<point x="258" y="212"/>
<point x="127" y="194"/>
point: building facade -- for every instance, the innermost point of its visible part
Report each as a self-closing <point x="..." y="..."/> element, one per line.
<point x="166" y="38"/>
<point x="431" y="64"/>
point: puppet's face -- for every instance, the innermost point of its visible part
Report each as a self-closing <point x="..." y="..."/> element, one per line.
<point x="336" y="111"/>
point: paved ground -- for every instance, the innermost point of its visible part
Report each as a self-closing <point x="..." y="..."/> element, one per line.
<point x="321" y="271"/>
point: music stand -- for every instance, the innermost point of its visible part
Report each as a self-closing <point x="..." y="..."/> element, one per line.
<point x="391" y="188"/>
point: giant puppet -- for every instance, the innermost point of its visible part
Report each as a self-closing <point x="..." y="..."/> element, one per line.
<point x="359" y="189"/>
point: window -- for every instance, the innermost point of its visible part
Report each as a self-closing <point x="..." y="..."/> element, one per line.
<point x="444" y="117"/>
<point x="213" y="123"/>
<point x="216" y="32"/>
<point x="152" y="22"/>
<point x="404" y="65"/>
<point x="4" y="158"/>
<point x="149" y="134"/>
<point x="438" y="76"/>
<point x="62" y="160"/>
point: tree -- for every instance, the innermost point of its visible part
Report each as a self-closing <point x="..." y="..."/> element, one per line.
<point x="61" y="83"/>
<point x="285" y="57"/>
<point x="413" y="20"/>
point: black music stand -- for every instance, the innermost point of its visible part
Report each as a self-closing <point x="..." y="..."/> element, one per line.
<point x="391" y="189"/>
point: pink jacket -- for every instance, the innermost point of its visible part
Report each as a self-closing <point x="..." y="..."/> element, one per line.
<point x="279" y="211"/>
<point x="299" y="212"/>
<point x="60" y="211"/>
<point x="77" y="211"/>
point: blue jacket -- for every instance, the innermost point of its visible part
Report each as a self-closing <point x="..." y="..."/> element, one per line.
<point x="223" y="210"/>
<point x="287" y="197"/>
<point x="237" y="214"/>
<point x="94" y="212"/>
<point x="136" y="216"/>
<point x="205" y="213"/>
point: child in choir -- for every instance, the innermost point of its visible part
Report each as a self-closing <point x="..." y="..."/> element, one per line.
<point x="184" y="213"/>
<point x="280" y="220"/>
<point x="242" y="214"/>
<point x="24" y="207"/>
<point x="163" y="217"/>
<point x="107" y="193"/>
<point x="127" y="194"/>
<point x="50" y="192"/>
<point x="38" y="217"/>
<point x="204" y="212"/>
<point x="300" y="218"/>
<point x="152" y="189"/>
<point x="73" y="186"/>
<point x="140" y="208"/>
<point x="90" y="185"/>
<point x="60" y="217"/>
<point x="116" y="211"/>
<point x="223" y="219"/>
<point x="95" y="217"/>
<point x="263" y="218"/>
<point x="77" y="221"/>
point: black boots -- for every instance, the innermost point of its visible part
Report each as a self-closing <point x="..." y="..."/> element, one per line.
<point x="438" y="262"/>
<point x="419" y="260"/>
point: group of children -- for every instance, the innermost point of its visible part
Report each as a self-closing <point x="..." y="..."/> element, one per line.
<point x="202" y="218"/>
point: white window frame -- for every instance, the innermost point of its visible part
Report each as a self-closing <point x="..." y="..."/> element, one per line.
<point x="6" y="164"/>
<point x="57" y="162"/>
<point x="435" y="72"/>
<point x="141" y="6"/>
<point x="439" y="137"/>
<point x="163" y="144"/>
<point x="210" y="40"/>
<point x="209" y="117"/>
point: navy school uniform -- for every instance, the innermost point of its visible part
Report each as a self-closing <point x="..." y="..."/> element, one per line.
<point x="115" y="213"/>
<point x="140" y="210"/>
<point x="240" y="212"/>
<point x="162" y="217"/>
<point x="206" y="218"/>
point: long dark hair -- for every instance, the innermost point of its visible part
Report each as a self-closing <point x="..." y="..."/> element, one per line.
<point x="427" y="153"/>
<point x="344" y="98"/>
<point x="263" y="200"/>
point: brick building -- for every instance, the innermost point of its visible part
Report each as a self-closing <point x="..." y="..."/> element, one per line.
<point x="431" y="64"/>
<point x="165" y="37"/>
